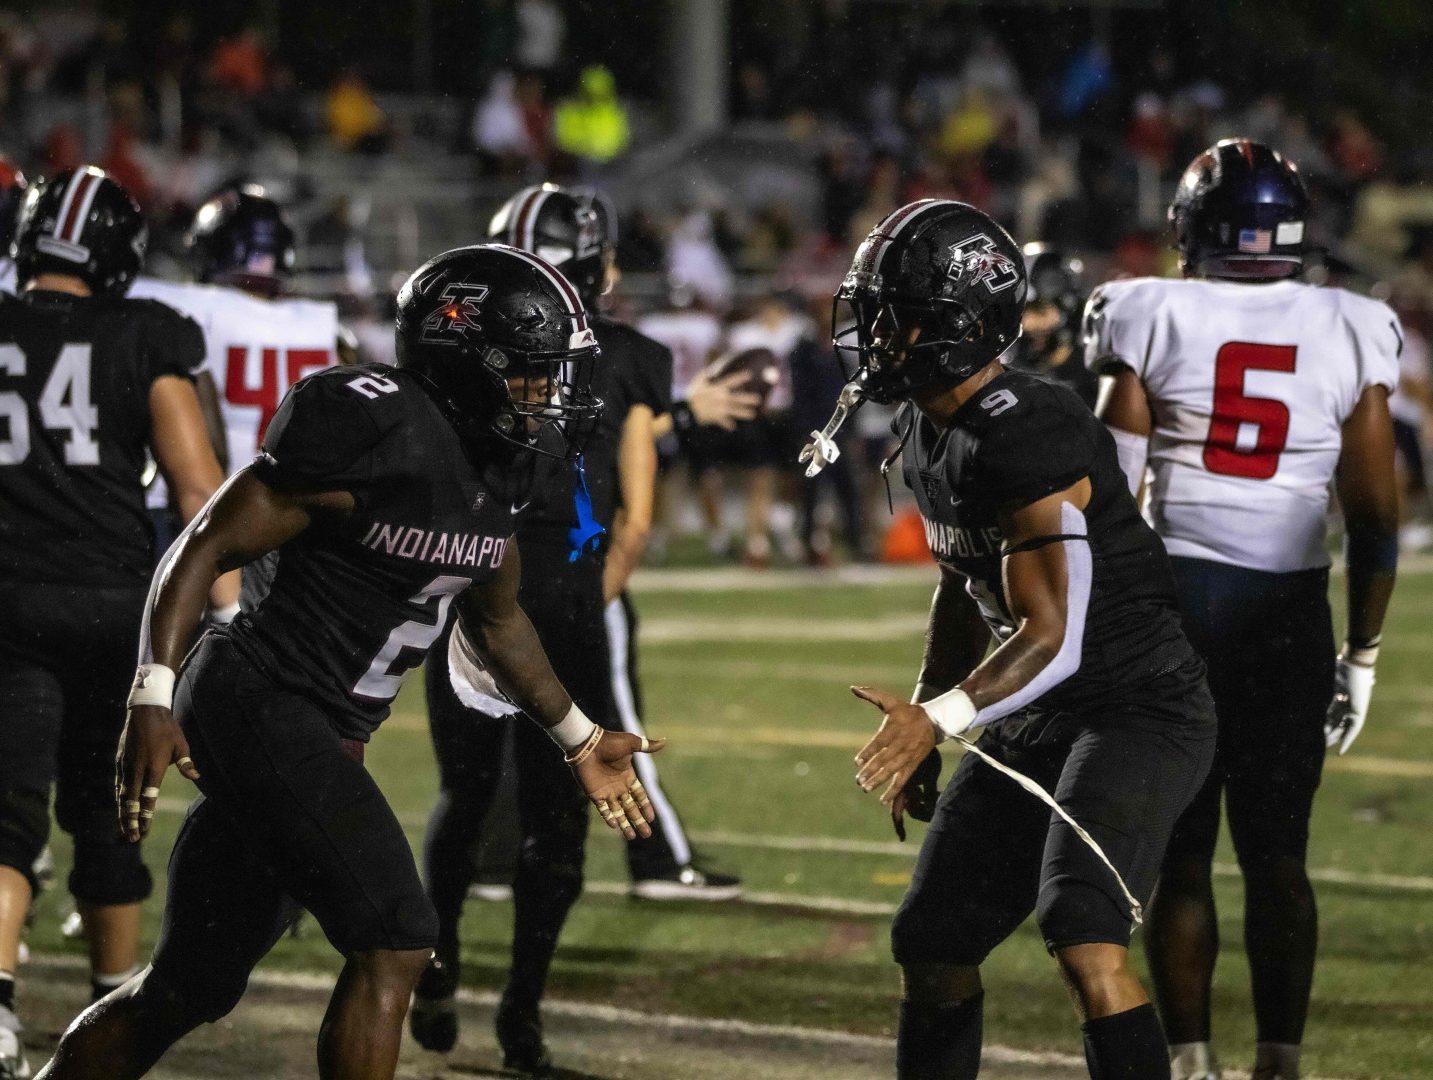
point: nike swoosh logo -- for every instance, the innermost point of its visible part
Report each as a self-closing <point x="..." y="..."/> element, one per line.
<point x="519" y="509"/>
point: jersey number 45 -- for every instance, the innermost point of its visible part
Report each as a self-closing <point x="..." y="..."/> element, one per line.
<point x="279" y="369"/>
<point x="1234" y="410"/>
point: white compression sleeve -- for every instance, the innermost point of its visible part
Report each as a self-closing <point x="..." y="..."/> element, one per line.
<point x="1079" y="579"/>
<point x="1133" y="451"/>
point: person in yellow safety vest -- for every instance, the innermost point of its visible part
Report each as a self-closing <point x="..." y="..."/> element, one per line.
<point x="592" y="124"/>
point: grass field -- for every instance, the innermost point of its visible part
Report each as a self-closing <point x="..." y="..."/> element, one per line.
<point x="750" y="686"/>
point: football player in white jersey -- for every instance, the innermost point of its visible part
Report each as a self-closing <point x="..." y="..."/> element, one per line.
<point x="1245" y="393"/>
<point x="12" y="192"/>
<point x="259" y="341"/>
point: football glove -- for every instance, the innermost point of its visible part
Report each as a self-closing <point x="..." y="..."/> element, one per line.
<point x="921" y="792"/>
<point x="1353" y="689"/>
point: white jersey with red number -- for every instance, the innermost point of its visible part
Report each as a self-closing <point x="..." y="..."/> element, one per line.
<point x="693" y="337"/>
<point x="256" y="349"/>
<point x="1249" y="386"/>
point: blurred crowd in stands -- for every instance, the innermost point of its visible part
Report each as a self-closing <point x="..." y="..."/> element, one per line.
<point x="1078" y="147"/>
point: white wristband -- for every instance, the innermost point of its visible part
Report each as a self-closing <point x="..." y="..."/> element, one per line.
<point x="223" y="616"/>
<point x="952" y="713"/>
<point x="572" y="730"/>
<point x="153" y="685"/>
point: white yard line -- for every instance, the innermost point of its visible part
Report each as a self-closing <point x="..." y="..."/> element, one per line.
<point x="720" y="579"/>
<point x="662" y="629"/>
<point x="1389" y="882"/>
<point x="740" y="579"/>
<point x="839" y="845"/>
<point x="320" y="984"/>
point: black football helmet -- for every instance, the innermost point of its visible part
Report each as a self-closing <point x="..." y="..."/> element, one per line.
<point x="1055" y="281"/>
<point x="1239" y="212"/>
<point x="573" y="230"/>
<point x="240" y="238"/>
<point x="13" y="186"/>
<point x="502" y="337"/>
<point x="934" y="294"/>
<point x="80" y="222"/>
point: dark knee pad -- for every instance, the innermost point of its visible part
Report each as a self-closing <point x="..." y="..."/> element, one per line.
<point x="960" y="938"/>
<point x="1073" y="912"/>
<point x="24" y="829"/>
<point x="554" y="855"/>
<point x="109" y="871"/>
<point x="196" y="995"/>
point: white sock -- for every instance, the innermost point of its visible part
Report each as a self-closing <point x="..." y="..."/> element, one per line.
<point x="1277" y="1061"/>
<point x="111" y="982"/>
<point x="1192" y="1061"/>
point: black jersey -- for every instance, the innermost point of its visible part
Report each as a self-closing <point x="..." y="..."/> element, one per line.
<point x="1017" y="440"/>
<point x="357" y="601"/>
<point x="75" y="376"/>
<point x="633" y="370"/>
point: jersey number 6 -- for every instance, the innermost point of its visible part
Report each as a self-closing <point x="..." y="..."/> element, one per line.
<point x="1233" y="409"/>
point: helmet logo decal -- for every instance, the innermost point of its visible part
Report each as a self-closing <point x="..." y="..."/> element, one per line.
<point x="978" y="261"/>
<point x="450" y="323"/>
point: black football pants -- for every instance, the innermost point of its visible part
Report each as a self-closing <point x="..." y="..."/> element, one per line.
<point x="67" y="658"/>
<point x="564" y="602"/>
<point x="289" y="817"/>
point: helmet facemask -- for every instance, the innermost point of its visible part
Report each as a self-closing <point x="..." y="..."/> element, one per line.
<point x="897" y="347"/>
<point x="545" y="395"/>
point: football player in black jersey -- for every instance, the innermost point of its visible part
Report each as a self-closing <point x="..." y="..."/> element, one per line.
<point x="1091" y="689"/>
<point x="1050" y="326"/>
<point x="90" y="382"/>
<point x="580" y="543"/>
<point x="390" y="495"/>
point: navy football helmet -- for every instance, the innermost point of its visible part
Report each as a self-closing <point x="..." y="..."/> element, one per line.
<point x="573" y="230"/>
<point x="240" y="238"/>
<point x="502" y="338"/>
<point x="80" y="222"/>
<point x="1239" y="212"/>
<point x="934" y="294"/>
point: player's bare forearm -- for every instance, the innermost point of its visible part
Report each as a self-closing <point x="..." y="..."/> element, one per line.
<point x="208" y="395"/>
<point x="957" y="638"/>
<point x="624" y="555"/>
<point x="245" y="520"/>
<point x="1368" y="493"/>
<point x="636" y="488"/>
<point x="501" y="633"/>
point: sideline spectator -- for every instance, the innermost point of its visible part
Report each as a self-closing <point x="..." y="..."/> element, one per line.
<point x="592" y="124"/>
<point x="355" y="121"/>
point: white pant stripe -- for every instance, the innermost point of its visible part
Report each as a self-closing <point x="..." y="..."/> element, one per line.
<point x="618" y="641"/>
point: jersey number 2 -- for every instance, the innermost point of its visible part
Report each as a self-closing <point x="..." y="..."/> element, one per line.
<point x="65" y="405"/>
<point x="1233" y="409"/>
<point x="379" y="682"/>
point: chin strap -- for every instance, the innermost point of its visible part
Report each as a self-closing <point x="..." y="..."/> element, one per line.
<point x="822" y="449"/>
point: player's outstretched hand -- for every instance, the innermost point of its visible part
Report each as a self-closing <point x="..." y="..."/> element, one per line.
<point x="607" y="776"/>
<point x="720" y="401"/>
<point x="151" y="742"/>
<point x="904" y="739"/>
